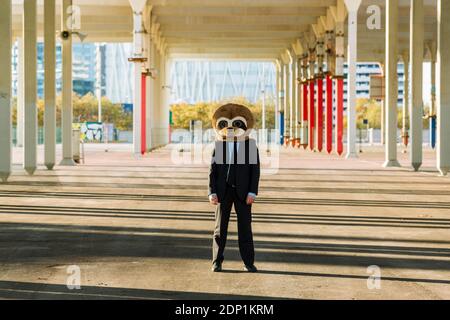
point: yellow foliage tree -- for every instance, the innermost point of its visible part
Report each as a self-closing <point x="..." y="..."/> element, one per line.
<point x="85" y="109"/>
<point x="183" y="113"/>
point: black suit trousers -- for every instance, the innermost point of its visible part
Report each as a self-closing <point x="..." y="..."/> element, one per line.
<point x="244" y="220"/>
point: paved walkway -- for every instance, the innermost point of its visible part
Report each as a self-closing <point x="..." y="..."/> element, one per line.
<point x="143" y="229"/>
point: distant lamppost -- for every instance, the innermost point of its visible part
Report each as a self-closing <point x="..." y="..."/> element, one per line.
<point x="99" y="80"/>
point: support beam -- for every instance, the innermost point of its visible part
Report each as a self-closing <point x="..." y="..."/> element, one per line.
<point x="149" y="93"/>
<point x="352" y="59"/>
<point x="5" y="90"/>
<point x="417" y="50"/>
<point x="331" y="69"/>
<point x="432" y="47"/>
<point x="287" y="96"/>
<point x="66" y="108"/>
<point x="299" y="102"/>
<point x="391" y="83"/>
<point x="30" y="85"/>
<point x="304" y="127"/>
<point x="298" y="52"/>
<point x="320" y="50"/>
<point x="50" y="83"/>
<point x="329" y="113"/>
<point x="293" y="97"/>
<point x="277" y="94"/>
<point x="138" y="32"/>
<point x="281" y="103"/>
<point x="156" y="89"/>
<point x="20" y="106"/>
<point x="443" y="87"/>
<point x="405" y="111"/>
<point x="146" y="83"/>
<point x="263" y="107"/>
<point x="312" y="92"/>
<point x="287" y="100"/>
<point x="166" y="64"/>
<point x="382" y="66"/>
<point x="339" y="76"/>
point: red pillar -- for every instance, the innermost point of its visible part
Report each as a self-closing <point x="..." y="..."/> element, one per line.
<point x="305" y="110"/>
<point x="340" y="116"/>
<point x="329" y="114"/>
<point x="143" y="113"/>
<point x="312" y="119"/>
<point x="319" y="114"/>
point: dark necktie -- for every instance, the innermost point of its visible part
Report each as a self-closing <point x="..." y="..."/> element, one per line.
<point x="231" y="177"/>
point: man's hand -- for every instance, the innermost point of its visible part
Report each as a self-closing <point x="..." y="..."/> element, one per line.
<point x="213" y="199"/>
<point x="250" y="198"/>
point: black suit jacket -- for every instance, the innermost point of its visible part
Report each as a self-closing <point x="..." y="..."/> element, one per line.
<point x="246" y="162"/>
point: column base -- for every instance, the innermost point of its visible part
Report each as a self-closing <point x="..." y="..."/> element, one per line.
<point x="351" y="155"/>
<point x="50" y="166"/>
<point x="30" y="170"/>
<point x="67" y="162"/>
<point x="391" y="164"/>
<point x="416" y="166"/>
<point x="4" y="176"/>
<point x="444" y="171"/>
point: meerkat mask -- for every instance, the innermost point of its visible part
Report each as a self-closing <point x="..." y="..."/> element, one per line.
<point x="233" y="122"/>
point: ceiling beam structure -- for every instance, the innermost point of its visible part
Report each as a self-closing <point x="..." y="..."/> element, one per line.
<point x="237" y="28"/>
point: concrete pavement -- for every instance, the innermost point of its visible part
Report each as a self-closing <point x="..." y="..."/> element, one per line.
<point x="142" y="228"/>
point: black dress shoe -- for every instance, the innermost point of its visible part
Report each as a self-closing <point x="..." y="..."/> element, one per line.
<point x="216" y="267"/>
<point x="251" y="268"/>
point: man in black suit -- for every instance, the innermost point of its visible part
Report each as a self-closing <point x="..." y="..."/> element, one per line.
<point x="233" y="180"/>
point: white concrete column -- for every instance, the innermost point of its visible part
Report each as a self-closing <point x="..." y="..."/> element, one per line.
<point x="165" y="103"/>
<point x="66" y="92"/>
<point x="155" y="99"/>
<point x="382" y="66"/>
<point x="282" y="104"/>
<point x="293" y="96"/>
<point x="312" y="94"/>
<point x="20" y="108"/>
<point x="304" y="126"/>
<point x="149" y="93"/>
<point x="5" y="89"/>
<point x="443" y="87"/>
<point x="319" y="76"/>
<point x="278" y="91"/>
<point x="417" y="50"/>
<point x="287" y="99"/>
<point x="30" y="85"/>
<point x="405" y="111"/>
<point x="299" y="100"/>
<point x="339" y="75"/>
<point x="352" y="59"/>
<point x="50" y="83"/>
<point x="137" y="110"/>
<point x="391" y="82"/>
<point x="138" y="7"/>
<point x="433" y="49"/>
<point x="98" y="80"/>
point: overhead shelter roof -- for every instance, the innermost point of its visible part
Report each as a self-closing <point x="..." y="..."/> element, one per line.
<point x="231" y="29"/>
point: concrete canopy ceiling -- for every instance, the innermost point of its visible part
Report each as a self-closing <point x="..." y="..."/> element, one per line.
<point x="231" y="29"/>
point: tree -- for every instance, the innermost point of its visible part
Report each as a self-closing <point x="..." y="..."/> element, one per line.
<point x="183" y="113"/>
<point x="85" y="109"/>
